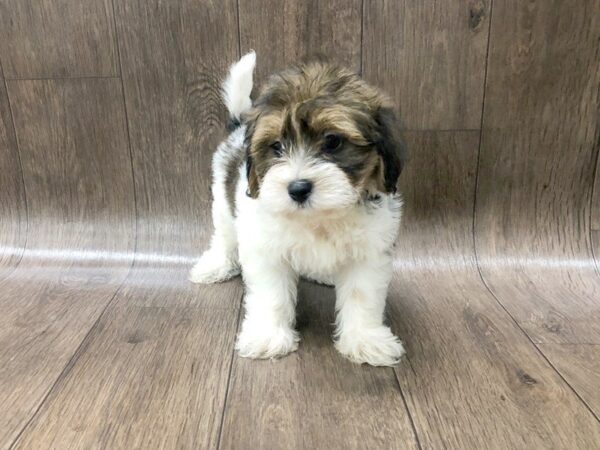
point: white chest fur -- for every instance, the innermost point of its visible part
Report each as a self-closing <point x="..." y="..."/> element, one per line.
<point x="318" y="243"/>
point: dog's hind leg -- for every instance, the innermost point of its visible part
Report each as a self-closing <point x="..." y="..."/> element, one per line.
<point x="220" y="261"/>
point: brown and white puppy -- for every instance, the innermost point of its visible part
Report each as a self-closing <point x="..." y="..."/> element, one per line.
<point x="305" y="185"/>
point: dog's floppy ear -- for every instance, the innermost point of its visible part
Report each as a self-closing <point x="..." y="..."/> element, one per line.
<point x="250" y="119"/>
<point x="390" y="148"/>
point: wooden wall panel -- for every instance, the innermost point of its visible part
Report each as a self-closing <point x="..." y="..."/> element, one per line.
<point x="595" y="212"/>
<point x="57" y="38"/>
<point x="537" y="163"/>
<point x="13" y="208"/>
<point x="178" y="335"/>
<point x="172" y="68"/>
<point x="287" y="32"/>
<point x="457" y="335"/>
<point x="73" y="142"/>
<point x="93" y="354"/>
<point x="595" y="220"/>
<point x="539" y="149"/>
<point x="430" y="56"/>
<point x="540" y="130"/>
<point x="77" y="171"/>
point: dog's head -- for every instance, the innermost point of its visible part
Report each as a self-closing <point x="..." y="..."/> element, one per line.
<point x="319" y="138"/>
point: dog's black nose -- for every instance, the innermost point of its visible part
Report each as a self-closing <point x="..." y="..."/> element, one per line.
<point x="299" y="190"/>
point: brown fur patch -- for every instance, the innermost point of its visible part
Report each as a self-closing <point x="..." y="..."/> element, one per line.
<point x="231" y="179"/>
<point x="300" y="106"/>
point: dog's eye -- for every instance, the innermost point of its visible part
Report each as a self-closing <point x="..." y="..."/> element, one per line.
<point x="277" y="148"/>
<point x="332" y="142"/>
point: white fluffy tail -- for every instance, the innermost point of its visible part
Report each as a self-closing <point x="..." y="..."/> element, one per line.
<point x="238" y="85"/>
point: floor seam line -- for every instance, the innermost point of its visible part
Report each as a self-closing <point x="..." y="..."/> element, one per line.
<point x="237" y="324"/>
<point x="362" y="37"/>
<point x="18" y="149"/>
<point x="239" y="29"/>
<point x="129" y="146"/>
<point x="535" y="346"/>
<point x="593" y="189"/>
<point x="410" y="417"/>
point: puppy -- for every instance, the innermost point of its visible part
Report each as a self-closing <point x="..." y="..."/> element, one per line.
<point x="305" y="185"/>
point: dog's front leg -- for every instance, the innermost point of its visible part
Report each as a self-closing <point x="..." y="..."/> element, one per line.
<point x="270" y="302"/>
<point x="361" y="291"/>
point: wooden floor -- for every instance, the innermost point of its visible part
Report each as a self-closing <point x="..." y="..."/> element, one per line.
<point x="109" y="113"/>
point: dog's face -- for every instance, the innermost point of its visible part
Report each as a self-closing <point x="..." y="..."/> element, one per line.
<point x="319" y="138"/>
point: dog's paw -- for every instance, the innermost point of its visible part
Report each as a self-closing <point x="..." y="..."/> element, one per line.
<point x="259" y="341"/>
<point x="213" y="267"/>
<point x="375" y="346"/>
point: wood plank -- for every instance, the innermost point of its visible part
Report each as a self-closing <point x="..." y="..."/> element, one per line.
<point x="472" y="379"/>
<point x="77" y="173"/>
<point x="73" y="143"/>
<point x="13" y="210"/>
<point x="314" y="398"/>
<point x="45" y="313"/>
<point x="595" y="220"/>
<point x="596" y="200"/>
<point x="286" y="32"/>
<point x="173" y="59"/>
<point x="176" y="120"/>
<point x="538" y="154"/>
<point x="154" y="372"/>
<point x="57" y="38"/>
<point x="580" y="365"/>
<point x="146" y="378"/>
<point x="430" y="56"/>
<point x="596" y="247"/>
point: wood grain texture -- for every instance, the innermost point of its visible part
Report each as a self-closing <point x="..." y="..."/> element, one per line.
<point x="595" y="215"/>
<point x="287" y="32"/>
<point x="77" y="173"/>
<point x="146" y="378"/>
<point x="314" y="398"/>
<point x="430" y="56"/>
<point x="13" y="208"/>
<point x="595" y="212"/>
<point x="57" y="38"/>
<point x="538" y="154"/>
<point x="77" y="170"/>
<point x="172" y="66"/>
<point x="96" y="354"/>
<point x="596" y="248"/>
<point x="538" y="261"/>
<point x="174" y="398"/>
<point x="472" y="379"/>
<point x="580" y="365"/>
